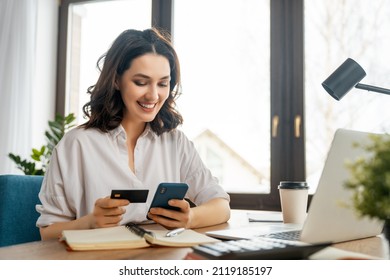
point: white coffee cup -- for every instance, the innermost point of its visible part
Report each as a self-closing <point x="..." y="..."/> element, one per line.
<point x="293" y="199"/>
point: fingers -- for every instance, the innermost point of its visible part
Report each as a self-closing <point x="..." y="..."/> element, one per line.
<point x="166" y="222"/>
<point x="172" y="214"/>
<point x="108" y="212"/>
<point x="115" y="211"/>
<point x="107" y="202"/>
<point x="180" y="203"/>
<point x="108" y="221"/>
<point x="172" y="218"/>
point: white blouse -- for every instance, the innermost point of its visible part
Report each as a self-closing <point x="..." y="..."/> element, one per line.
<point x="87" y="164"/>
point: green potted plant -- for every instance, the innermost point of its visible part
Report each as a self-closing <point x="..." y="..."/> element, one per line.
<point x="41" y="157"/>
<point x="370" y="182"/>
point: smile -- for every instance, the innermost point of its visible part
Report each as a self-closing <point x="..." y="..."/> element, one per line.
<point x="147" y="105"/>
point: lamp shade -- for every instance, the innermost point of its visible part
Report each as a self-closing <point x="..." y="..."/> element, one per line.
<point x="344" y="78"/>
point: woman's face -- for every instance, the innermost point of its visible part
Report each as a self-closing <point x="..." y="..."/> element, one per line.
<point x="144" y="87"/>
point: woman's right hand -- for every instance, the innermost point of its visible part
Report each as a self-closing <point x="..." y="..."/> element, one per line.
<point x="108" y="212"/>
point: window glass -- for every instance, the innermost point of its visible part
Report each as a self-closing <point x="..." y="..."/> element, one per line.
<point x="93" y="26"/>
<point x="223" y="47"/>
<point x="334" y="31"/>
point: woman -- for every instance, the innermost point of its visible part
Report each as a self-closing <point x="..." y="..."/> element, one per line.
<point x="130" y="141"/>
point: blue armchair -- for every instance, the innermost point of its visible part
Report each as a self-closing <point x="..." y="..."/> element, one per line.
<point x="18" y="197"/>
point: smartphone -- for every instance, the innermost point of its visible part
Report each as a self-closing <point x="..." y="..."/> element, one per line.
<point x="134" y="196"/>
<point x="166" y="192"/>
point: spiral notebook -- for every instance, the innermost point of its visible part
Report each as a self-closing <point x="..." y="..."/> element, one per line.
<point x="129" y="236"/>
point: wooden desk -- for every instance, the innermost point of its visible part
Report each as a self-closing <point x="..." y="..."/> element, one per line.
<point x="45" y="250"/>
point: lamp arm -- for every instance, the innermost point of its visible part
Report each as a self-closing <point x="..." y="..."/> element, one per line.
<point x="373" y="88"/>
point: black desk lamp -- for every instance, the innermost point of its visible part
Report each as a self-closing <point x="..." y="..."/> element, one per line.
<point x="347" y="76"/>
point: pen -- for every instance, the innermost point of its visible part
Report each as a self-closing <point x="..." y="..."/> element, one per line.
<point x="175" y="232"/>
<point x="137" y="229"/>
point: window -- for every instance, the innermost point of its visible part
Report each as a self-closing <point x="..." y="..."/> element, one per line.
<point x="334" y="31"/>
<point x="235" y="98"/>
<point x="92" y="27"/>
<point x="248" y="65"/>
<point x="226" y="93"/>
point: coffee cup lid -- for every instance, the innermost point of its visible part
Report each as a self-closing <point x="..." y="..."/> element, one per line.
<point x="293" y="185"/>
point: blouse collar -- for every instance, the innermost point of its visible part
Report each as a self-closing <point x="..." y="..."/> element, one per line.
<point x="119" y="131"/>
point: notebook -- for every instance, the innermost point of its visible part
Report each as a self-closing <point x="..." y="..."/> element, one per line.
<point x="130" y="236"/>
<point x="331" y="217"/>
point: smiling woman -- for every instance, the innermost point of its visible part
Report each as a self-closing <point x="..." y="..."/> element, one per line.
<point x="131" y="135"/>
<point x="144" y="88"/>
<point x="136" y="71"/>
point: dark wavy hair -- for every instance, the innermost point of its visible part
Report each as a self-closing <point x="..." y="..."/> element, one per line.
<point x="105" y="108"/>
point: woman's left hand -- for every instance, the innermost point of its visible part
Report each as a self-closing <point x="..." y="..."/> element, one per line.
<point x="172" y="218"/>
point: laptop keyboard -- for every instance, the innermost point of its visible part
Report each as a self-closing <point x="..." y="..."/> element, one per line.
<point x="284" y="235"/>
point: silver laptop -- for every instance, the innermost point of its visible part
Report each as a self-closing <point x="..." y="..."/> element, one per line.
<point x="331" y="217"/>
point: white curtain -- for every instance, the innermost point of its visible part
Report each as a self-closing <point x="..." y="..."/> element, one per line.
<point x="17" y="49"/>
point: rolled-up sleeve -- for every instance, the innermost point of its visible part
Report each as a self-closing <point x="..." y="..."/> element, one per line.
<point x="203" y="185"/>
<point x="54" y="205"/>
